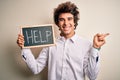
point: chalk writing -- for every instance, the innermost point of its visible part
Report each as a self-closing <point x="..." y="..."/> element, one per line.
<point x="38" y="35"/>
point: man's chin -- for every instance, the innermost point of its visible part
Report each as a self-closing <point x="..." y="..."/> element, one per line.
<point x="67" y="33"/>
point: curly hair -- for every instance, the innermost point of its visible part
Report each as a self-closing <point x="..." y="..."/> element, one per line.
<point x="66" y="7"/>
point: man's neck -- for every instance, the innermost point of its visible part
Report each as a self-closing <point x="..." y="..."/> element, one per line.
<point x="68" y="36"/>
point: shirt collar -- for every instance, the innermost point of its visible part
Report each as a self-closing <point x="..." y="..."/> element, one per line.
<point x="73" y="38"/>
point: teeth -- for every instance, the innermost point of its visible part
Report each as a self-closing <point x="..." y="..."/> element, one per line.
<point x="65" y="27"/>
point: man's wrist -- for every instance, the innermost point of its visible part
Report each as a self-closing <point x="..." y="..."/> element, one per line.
<point x="98" y="48"/>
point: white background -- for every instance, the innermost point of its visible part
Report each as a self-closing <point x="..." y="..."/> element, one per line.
<point x="96" y="16"/>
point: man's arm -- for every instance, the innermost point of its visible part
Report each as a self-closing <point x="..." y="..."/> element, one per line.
<point x="91" y="60"/>
<point x="36" y="65"/>
<point x="91" y="63"/>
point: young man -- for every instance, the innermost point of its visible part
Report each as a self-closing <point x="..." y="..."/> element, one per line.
<point x="72" y="57"/>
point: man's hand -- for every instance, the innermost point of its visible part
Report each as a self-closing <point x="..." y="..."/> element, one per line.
<point x="99" y="40"/>
<point x="20" y="40"/>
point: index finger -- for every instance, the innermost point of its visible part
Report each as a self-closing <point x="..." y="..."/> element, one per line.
<point x="106" y="34"/>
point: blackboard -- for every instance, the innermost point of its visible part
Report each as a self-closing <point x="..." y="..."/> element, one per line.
<point x="38" y="35"/>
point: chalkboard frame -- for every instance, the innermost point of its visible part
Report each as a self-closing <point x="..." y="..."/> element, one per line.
<point x="43" y="45"/>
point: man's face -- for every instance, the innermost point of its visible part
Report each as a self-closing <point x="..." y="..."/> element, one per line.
<point x="66" y="24"/>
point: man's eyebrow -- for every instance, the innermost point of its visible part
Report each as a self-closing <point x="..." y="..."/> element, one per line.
<point x="60" y="18"/>
<point x="63" y="18"/>
<point x="70" y="17"/>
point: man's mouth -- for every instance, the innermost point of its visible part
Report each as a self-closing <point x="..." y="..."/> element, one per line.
<point x="66" y="28"/>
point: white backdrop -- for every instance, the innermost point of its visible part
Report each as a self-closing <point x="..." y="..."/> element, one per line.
<point x="95" y="16"/>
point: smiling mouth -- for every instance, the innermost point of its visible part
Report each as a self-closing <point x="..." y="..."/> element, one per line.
<point x="66" y="27"/>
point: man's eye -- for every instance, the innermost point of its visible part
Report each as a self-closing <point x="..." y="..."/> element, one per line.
<point x="70" y="18"/>
<point x="61" y="19"/>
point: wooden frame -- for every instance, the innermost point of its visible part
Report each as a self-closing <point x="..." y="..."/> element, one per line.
<point x="34" y="34"/>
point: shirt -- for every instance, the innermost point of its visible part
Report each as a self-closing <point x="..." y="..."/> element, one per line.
<point x="69" y="59"/>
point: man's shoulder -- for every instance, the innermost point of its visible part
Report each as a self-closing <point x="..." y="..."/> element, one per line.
<point x="83" y="40"/>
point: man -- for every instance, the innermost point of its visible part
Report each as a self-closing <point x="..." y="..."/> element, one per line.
<point x="72" y="57"/>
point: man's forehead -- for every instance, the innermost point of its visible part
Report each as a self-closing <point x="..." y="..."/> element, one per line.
<point x="66" y="15"/>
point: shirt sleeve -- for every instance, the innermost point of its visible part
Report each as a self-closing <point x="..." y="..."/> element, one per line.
<point x="36" y="65"/>
<point x="91" y="63"/>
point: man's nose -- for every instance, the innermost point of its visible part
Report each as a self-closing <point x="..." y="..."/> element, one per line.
<point x="66" y="22"/>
